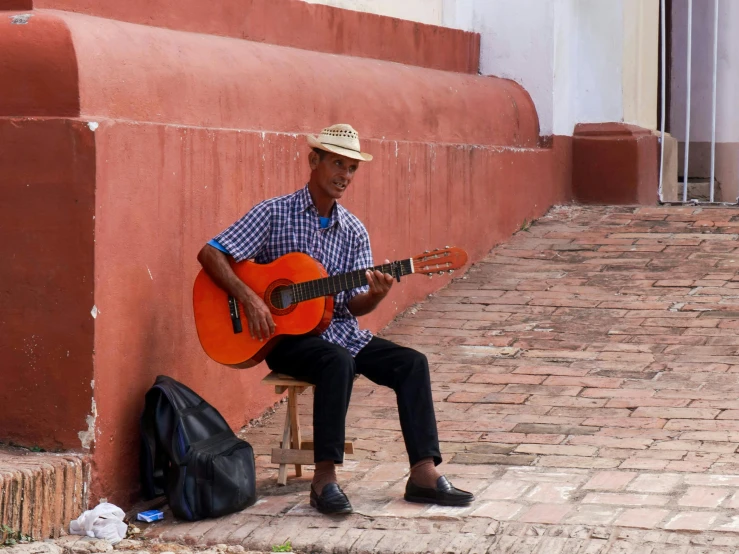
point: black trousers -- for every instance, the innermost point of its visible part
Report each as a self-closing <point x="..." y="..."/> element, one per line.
<point x="332" y="368"/>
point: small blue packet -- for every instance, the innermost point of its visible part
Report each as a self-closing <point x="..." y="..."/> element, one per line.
<point x="150" y="515"/>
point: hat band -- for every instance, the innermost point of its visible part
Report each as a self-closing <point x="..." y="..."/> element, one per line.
<point x="340" y="146"/>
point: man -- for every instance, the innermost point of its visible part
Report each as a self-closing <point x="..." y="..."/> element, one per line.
<point x="311" y="221"/>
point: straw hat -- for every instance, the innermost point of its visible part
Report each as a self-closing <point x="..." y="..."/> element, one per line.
<point x="340" y="139"/>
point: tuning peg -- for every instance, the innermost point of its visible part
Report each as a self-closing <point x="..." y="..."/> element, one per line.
<point x="426" y="251"/>
<point x="451" y="271"/>
<point x="447" y="247"/>
<point x="441" y="273"/>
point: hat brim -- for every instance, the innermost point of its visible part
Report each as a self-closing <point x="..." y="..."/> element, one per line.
<point x="353" y="154"/>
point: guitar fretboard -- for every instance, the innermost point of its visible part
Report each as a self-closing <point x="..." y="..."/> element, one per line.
<point x="330" y="286"/>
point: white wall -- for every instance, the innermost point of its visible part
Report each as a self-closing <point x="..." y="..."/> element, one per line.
<point x="423" y="11"/>
<point x="599" y="36"/>
<point x="516" y="43"/>
<point x="727" y="110"/>
<point x="641" y="62"/>
<point x="568" y="54"/>
<point x="588" y="63"/>
<point x="458" y="14"/>
<point x="565" y="77"/>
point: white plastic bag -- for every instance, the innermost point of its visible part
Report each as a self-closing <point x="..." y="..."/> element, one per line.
<point x="105" y="521"/>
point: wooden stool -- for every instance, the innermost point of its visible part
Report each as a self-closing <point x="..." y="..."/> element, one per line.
<point x="292" y="449"/>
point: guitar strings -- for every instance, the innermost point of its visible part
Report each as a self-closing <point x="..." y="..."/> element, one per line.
<point x="328" y="286"/>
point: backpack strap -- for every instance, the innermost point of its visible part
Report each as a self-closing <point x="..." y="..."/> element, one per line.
<point x="218" y="437"/>
<point x="152" y="461"/>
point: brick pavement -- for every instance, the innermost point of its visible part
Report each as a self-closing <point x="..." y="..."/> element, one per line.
<point x="586" y="378"/>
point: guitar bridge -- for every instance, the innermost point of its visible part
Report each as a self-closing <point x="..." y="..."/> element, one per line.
<point x="233" y="309"/>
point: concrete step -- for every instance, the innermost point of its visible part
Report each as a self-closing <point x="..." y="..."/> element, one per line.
<point x="699" y="189"/>
<point x="40" y="492"/>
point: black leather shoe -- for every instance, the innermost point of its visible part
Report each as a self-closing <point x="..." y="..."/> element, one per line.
<point x="444" y="494"/>
<point x="332" y="500"/>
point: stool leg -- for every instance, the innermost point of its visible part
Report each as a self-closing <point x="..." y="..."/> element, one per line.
<point x="282" y="474"/>
<point x="292" y="399"/>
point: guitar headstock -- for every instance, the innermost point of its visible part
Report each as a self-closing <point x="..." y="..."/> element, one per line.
<point x="439" y="261"/>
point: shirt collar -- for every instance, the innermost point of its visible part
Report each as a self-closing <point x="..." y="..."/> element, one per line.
<point x="305" y="202"/>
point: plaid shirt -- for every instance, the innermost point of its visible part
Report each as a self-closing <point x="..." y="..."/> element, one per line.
<point x="291" y="223"/>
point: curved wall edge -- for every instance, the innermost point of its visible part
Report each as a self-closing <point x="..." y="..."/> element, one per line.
<point x="38" y="67"/>
<point x="140" y="73"/>
<point x="297" y="24"/>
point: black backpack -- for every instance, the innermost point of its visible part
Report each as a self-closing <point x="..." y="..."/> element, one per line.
<point x="190" y="454"/>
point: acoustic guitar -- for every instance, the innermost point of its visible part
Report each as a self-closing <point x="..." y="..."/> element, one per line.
<point x="298" y="292"/>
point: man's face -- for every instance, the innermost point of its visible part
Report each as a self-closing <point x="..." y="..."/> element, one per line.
<point x="333" y="173"/>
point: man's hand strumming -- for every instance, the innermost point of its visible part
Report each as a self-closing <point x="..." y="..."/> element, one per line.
<point x="261" y="324"/>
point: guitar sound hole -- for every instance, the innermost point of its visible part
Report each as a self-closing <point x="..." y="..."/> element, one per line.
<point x="281" y="298"/>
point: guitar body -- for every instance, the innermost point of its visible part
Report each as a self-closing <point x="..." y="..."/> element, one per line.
<point x="215" y="325"/>
<point x="300" y="295"/>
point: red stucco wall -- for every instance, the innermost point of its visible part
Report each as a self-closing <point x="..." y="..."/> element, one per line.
<point x="47" y="187"/>
<point x="615" y="163"/>
<point x="193" y="129"/>
<point x="291" y="23"/>
<point x="150" y="74"/>
<point x="38" y="69"/>
<point x="184" y="185"/>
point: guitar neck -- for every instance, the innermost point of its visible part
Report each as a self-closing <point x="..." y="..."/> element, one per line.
<point x="330" y="286"/>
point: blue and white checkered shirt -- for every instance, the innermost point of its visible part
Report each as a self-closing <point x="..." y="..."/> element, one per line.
<point x="291" y="223"/>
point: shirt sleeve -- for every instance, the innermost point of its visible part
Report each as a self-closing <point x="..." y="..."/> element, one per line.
<point x="218" y="246"/>
<point x="246" y="238"/>
<point x="362" y="260"/>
